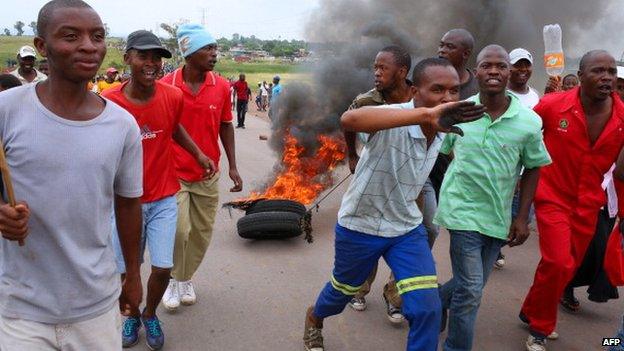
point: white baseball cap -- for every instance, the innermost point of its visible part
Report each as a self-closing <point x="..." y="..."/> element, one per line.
<point x="26" y="51"/>
<point x="518" y="54"/>
<point x="620" y="72"/>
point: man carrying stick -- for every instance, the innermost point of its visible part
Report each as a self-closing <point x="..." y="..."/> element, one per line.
<point x="73" y="156"/>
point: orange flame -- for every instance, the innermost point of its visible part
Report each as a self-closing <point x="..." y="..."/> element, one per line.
<point x="303" y="178"/>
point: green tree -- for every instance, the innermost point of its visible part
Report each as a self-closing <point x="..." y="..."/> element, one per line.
<point x="106" y="30"/>
<point x="7" y="32"/>
<point x="33" y="26"/>
<point x="19" y="27"/>
<point x="171" y="43"/>
<point x="224" y="44"/>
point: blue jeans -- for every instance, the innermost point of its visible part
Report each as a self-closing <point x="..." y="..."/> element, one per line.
<point x="159" y="230"/>
<point x="472" y="258"/>
<point x="620" y="335"/>
<point x="411" y="262"/>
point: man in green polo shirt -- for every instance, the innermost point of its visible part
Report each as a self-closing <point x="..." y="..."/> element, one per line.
<point x="476" y="195"/>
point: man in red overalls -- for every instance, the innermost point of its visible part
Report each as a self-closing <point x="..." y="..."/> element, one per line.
<point x="584" y="133"/>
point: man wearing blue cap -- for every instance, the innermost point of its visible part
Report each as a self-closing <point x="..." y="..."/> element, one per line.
<point x="206" y="117"/>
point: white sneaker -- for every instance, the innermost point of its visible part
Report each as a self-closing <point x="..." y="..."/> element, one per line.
<point x="553" y="336"/>
<point x="535" y="344"/>
<point x="187" y="293"/>
<point x="171" y="298"/>
<point x="500" y="262"/>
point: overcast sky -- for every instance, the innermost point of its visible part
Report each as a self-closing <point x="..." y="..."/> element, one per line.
<point x="267" y="19"/>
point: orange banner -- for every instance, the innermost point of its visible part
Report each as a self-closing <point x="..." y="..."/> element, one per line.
<point x="554" y="60"/>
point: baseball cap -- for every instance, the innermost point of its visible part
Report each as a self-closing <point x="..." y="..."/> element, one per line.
<point x="26" y="51"/>
<point x="518" y="54"/>
<point x="146" y="40"/>
<point x="112" y="70"/>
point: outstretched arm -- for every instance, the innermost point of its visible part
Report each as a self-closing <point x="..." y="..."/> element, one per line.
<point x="441" y="118"/>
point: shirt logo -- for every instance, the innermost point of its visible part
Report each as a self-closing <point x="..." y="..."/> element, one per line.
<point x="563" y="125"/>
<point x="147" y="133"/>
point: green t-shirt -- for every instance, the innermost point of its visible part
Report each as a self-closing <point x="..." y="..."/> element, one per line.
<point x="478" y="187"/>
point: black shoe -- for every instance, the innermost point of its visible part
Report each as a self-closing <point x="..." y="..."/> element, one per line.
<point x="239" y="126"/>
<point x="393" y="313"/>
<point x="523" y="318"/>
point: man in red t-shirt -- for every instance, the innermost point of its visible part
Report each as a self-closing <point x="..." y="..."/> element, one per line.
<point x="584" y="133"/>
<point x="157" y="108"/>
<point x="243" y="94"/>
<point x="206" y="117"/>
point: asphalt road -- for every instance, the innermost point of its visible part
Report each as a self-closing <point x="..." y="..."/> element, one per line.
<point x="252" y="295"/>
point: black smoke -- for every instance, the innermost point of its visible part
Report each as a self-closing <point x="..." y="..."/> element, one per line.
<point x="351" y="32"/>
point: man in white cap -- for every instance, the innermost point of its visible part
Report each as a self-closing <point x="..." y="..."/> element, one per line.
<point x="619" y="84"/>
<point x="26" y="72"/>
<point x="521" y="70"/>
<point x="207" y="117"/>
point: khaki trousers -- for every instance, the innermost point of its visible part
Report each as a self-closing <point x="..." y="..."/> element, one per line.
<point x="197" y="208"/>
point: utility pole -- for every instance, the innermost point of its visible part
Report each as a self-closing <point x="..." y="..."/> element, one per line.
<point x="203" y="19"/>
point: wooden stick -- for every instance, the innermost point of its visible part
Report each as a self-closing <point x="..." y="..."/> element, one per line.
<point x="6" y="179"/>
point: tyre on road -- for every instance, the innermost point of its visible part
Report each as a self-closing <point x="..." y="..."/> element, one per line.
<point x="276" y="206"/>
<point x="269" y="225"/>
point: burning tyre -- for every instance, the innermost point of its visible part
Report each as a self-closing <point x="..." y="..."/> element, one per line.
<point x="276" y="205"/>
<point x="270" y="225"/>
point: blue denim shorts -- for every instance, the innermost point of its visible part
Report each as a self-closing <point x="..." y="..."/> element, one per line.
<point x="159" y="230"/>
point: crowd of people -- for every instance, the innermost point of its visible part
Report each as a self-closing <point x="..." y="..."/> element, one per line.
<point x="136" y="166"/>
<point x="266" y="97"/>
<point x="514" y="150"/>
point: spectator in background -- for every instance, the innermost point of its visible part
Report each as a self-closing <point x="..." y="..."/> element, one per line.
<point x="8" y="81"/>
<point x="521" y="71"/>
<point x="109" y="81"/>
<point x="269" y="95"/>
<point x="241" y="89"/>
<point x="26" y="72"/>
<point x="266" y="94"/>
<point x="555" y="83"/>
<point x="43" y="66"/>
<point x="569" y="82"/>
<point x="275" y="93"/>
<point x="259" y="97"/>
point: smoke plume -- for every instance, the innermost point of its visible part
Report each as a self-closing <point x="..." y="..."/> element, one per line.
<point x="355" y="30"/>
